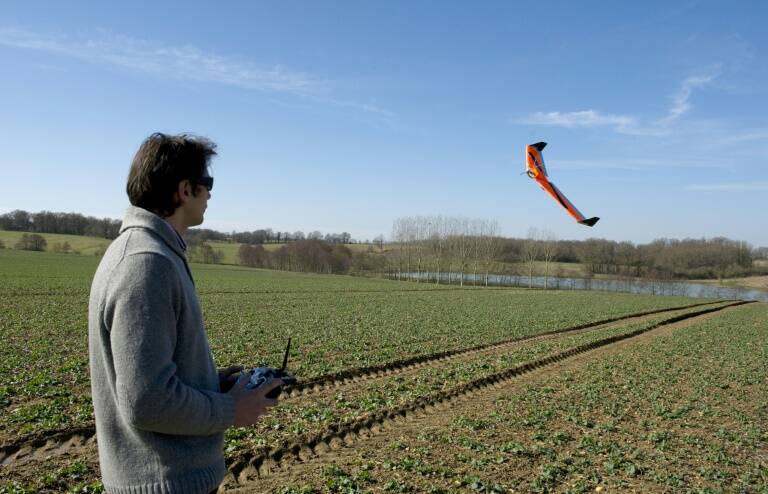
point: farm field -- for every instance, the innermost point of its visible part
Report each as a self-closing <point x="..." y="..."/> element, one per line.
<point x="361" y="348"/>
<point x="681" y="411"/>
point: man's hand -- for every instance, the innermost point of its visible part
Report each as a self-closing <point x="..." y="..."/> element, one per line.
<point x="250" y="404"/>
<point x="228" y="377"/>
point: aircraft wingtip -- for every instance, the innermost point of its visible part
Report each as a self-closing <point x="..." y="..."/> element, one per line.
<point x="590" y="221"/>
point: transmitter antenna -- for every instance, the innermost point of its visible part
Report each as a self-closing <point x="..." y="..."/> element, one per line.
<point x="285" y="356"/>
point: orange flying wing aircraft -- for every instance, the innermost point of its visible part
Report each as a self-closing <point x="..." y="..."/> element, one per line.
<point x="534" y="168"/>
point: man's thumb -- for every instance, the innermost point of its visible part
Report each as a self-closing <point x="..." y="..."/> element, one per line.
<point x="241" y="382"/>
<point x="270" y="385"/>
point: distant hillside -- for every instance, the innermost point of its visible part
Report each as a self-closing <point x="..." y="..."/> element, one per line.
<point x="80" y="244"/>
<point x="89" y="246"/>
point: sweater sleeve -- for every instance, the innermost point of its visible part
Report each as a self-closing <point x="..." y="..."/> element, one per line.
<point x="143" y="302"/>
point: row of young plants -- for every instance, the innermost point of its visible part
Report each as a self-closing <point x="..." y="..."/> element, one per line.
<point x="333" y="332"/>
<point x="682" y="412"/>
<point x="310" y="415"/>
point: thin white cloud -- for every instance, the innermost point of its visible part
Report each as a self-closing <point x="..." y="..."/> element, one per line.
<point x="177" y="62"/>
<point x="624" y="124"/>
<point x="756" y="135"/>
<point x="584" y="118"/>
<point x="681" y="101"/>
<point x="186" y="63"/>
<point x="730" y="187"/>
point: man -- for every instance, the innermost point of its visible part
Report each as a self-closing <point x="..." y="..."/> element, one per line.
<point x="161" y="407"/>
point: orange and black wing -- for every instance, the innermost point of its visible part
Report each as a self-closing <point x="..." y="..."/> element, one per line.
<point x="536" y="170"/>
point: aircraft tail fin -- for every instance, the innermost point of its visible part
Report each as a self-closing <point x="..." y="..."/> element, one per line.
<point x="590" y="221"/>
<point x="539" y="145"/>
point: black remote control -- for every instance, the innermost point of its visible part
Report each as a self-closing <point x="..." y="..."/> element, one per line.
<point x="262" y="375"/>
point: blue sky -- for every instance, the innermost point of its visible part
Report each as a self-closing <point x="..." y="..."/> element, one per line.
<point x="343" y="116"/>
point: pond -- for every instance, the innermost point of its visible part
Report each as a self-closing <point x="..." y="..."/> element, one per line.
<point x="652" y="287"/>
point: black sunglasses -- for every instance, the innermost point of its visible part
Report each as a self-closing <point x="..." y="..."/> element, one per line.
<point x="206" y="182"/>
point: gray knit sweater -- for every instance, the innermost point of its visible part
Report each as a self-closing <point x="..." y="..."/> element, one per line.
<point x="160" y="415"/>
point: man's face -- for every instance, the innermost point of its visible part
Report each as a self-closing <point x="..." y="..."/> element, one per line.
<point x="197" y="203"/>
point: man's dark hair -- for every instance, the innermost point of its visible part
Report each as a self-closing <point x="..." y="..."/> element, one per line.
<point x="160" y="164"/>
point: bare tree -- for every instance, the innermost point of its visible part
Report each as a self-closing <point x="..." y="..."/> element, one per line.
<point x="530" y="253"/>
<point x="400" y="250"/>
<point x="476" y="241"/>
<point x="203" y="252"/>
<point x="378" y="241"/>
<point x="438" y="243"/>
<point x="420" y="229"/>
<point x="62" y="248"/>
<point x="31" y="242"/>
<point x="452" y="239"/>
<point x="491" y="245"/>
<point x="450" y="245"/>
<point x="252" y="255"/>
<point x="462" y="246"/>
<point x="548" y="251"/>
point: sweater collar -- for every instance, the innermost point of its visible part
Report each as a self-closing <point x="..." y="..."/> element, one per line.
<point x="136" y="217"/>
<point x="179" y="238"/>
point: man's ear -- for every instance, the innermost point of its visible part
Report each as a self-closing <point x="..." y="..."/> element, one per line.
<point x="184" y="190"/>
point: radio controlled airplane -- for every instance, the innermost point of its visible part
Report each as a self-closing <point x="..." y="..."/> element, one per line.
<point x="534" y="168"/>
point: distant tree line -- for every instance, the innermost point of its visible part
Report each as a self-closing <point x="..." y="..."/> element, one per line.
<point x="312" y="252"/>
<point x="661" y="259"/>
<point x="267" y="236"/>
<point x="430" y="248"/>
<point x="760" y="253"/>
<point x="78" y="224"/>
<point x="453" y="250"/>
<point x="311" y="256"/>
<point x="65" y="223"/>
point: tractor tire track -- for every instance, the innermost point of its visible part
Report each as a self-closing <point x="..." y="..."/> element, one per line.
<point x="45" y="444"/>
<point x="246" y="468"/>
<point x="355" y="388"/>
<point x="335" y="380"/>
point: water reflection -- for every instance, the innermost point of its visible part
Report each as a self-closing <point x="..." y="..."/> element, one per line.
<point x="651" y="287"/>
